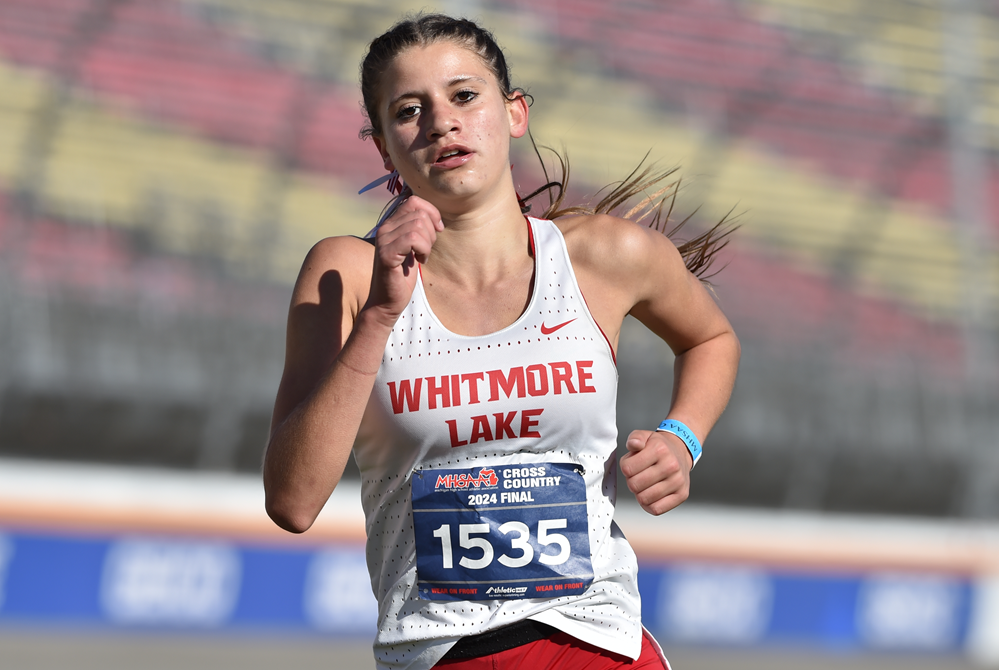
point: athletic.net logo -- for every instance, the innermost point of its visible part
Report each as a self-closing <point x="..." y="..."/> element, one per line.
<point x="506" y="591"/>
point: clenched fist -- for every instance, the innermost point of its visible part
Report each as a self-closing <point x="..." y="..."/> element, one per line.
<point x="657" y="468"/>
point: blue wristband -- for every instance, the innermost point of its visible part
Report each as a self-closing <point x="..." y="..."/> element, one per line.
<point x="685" y="434"/>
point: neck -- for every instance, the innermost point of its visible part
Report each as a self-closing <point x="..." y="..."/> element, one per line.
<point x="480" y="246"/>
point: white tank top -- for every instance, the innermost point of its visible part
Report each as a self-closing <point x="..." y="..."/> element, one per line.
<point x="540" y="392"/>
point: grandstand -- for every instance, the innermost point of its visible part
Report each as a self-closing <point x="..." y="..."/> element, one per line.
<point x="164" y="167"/>
<point x="166" y="164"/>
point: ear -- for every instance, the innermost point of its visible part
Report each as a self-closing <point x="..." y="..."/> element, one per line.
<point x="517" y="110"/>
<point x="386" y="159"/>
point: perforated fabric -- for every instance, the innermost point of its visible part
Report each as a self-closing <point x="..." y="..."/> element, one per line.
<point x="443" y="400"/>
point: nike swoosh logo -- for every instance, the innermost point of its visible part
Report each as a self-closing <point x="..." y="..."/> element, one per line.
<point x="545" y="330"/>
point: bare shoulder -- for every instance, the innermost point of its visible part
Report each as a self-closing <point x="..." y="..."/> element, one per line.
<point x="632" y="269"/>
<point x="345" y="253"/>
<point x="343" y="263"/>
<point x="620" y="250"/>
<point x="332" y="287"/>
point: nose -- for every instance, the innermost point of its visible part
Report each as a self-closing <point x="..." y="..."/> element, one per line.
<point x="442" y="120"/>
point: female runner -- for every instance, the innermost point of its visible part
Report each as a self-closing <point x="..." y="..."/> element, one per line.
<point x="488" y="461"/>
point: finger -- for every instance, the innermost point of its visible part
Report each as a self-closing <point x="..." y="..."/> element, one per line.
<point x="666" y="473"/>
<point x="637" y="440"/>
<point x="408" y="231"/>
<point x="417" y="205"/>
<point x="402" y="224"/>
<point x="630" y="466"/>
<point x="416" y="237"/>
<point x="666" y="503"/>
<point x="656" y="445"/>
<point x="639" y="456"/>
<point x="408" y="263"/>
<point x="649" y="490"/>
<point x="656" y="482"/>
<point x="433" y="212"/>
<point x="656" y="461"/>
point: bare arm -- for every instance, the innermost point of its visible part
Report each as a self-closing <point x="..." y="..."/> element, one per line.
<point x="657" y="465"/>
<point x="330" y="363"/>
<point x="707" y="350"/>
<point x="346" y="301"/>
<point x="630" y="269"/>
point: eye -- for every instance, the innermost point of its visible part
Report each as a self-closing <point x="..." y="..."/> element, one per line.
<point x="465" y="95"/>
<point x="407" y="111"/>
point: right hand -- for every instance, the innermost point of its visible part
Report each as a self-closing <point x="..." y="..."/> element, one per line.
<point x="402" y="241"/>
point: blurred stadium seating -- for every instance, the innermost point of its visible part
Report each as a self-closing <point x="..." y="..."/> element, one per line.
<point x="165" y="166"/>
<point x="215" y="141"/>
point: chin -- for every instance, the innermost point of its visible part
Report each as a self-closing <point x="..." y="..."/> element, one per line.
<point x="460" y="187"/>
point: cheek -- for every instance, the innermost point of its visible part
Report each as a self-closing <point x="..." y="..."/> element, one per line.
<point x="399" y="149"/>
<point x="490" y="127"/>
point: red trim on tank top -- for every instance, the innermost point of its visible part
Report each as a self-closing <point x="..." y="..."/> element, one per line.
<point x="530" y="242"/>
<point x="606" y="339"/>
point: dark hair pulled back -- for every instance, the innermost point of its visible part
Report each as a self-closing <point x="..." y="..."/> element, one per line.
<point x="655" y="184"/>
<point x="420" y="31"/>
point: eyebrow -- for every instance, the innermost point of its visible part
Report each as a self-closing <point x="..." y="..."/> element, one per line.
<point x="457" y="79"/>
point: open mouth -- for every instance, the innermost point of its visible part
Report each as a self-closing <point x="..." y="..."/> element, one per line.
<point x="451" y="155"/>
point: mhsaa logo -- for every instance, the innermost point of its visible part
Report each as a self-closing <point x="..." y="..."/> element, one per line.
<point x="486" y="477"/>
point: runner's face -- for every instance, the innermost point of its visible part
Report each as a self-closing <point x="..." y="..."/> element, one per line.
<point x="446" y="124"/>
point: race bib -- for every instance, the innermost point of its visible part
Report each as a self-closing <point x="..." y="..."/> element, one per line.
<point x="507" y="532"/>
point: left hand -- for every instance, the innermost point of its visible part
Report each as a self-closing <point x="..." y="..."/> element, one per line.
<point x="657" y="468"/>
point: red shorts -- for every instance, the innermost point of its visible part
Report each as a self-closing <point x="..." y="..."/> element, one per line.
<point x="563" y="652"/>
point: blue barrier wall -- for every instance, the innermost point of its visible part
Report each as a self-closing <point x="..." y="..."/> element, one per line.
<point x="159" y="581"/>
<point x="735" y="604"/>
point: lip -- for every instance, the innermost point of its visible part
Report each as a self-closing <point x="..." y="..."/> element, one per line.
<point x="452" y="161"/>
